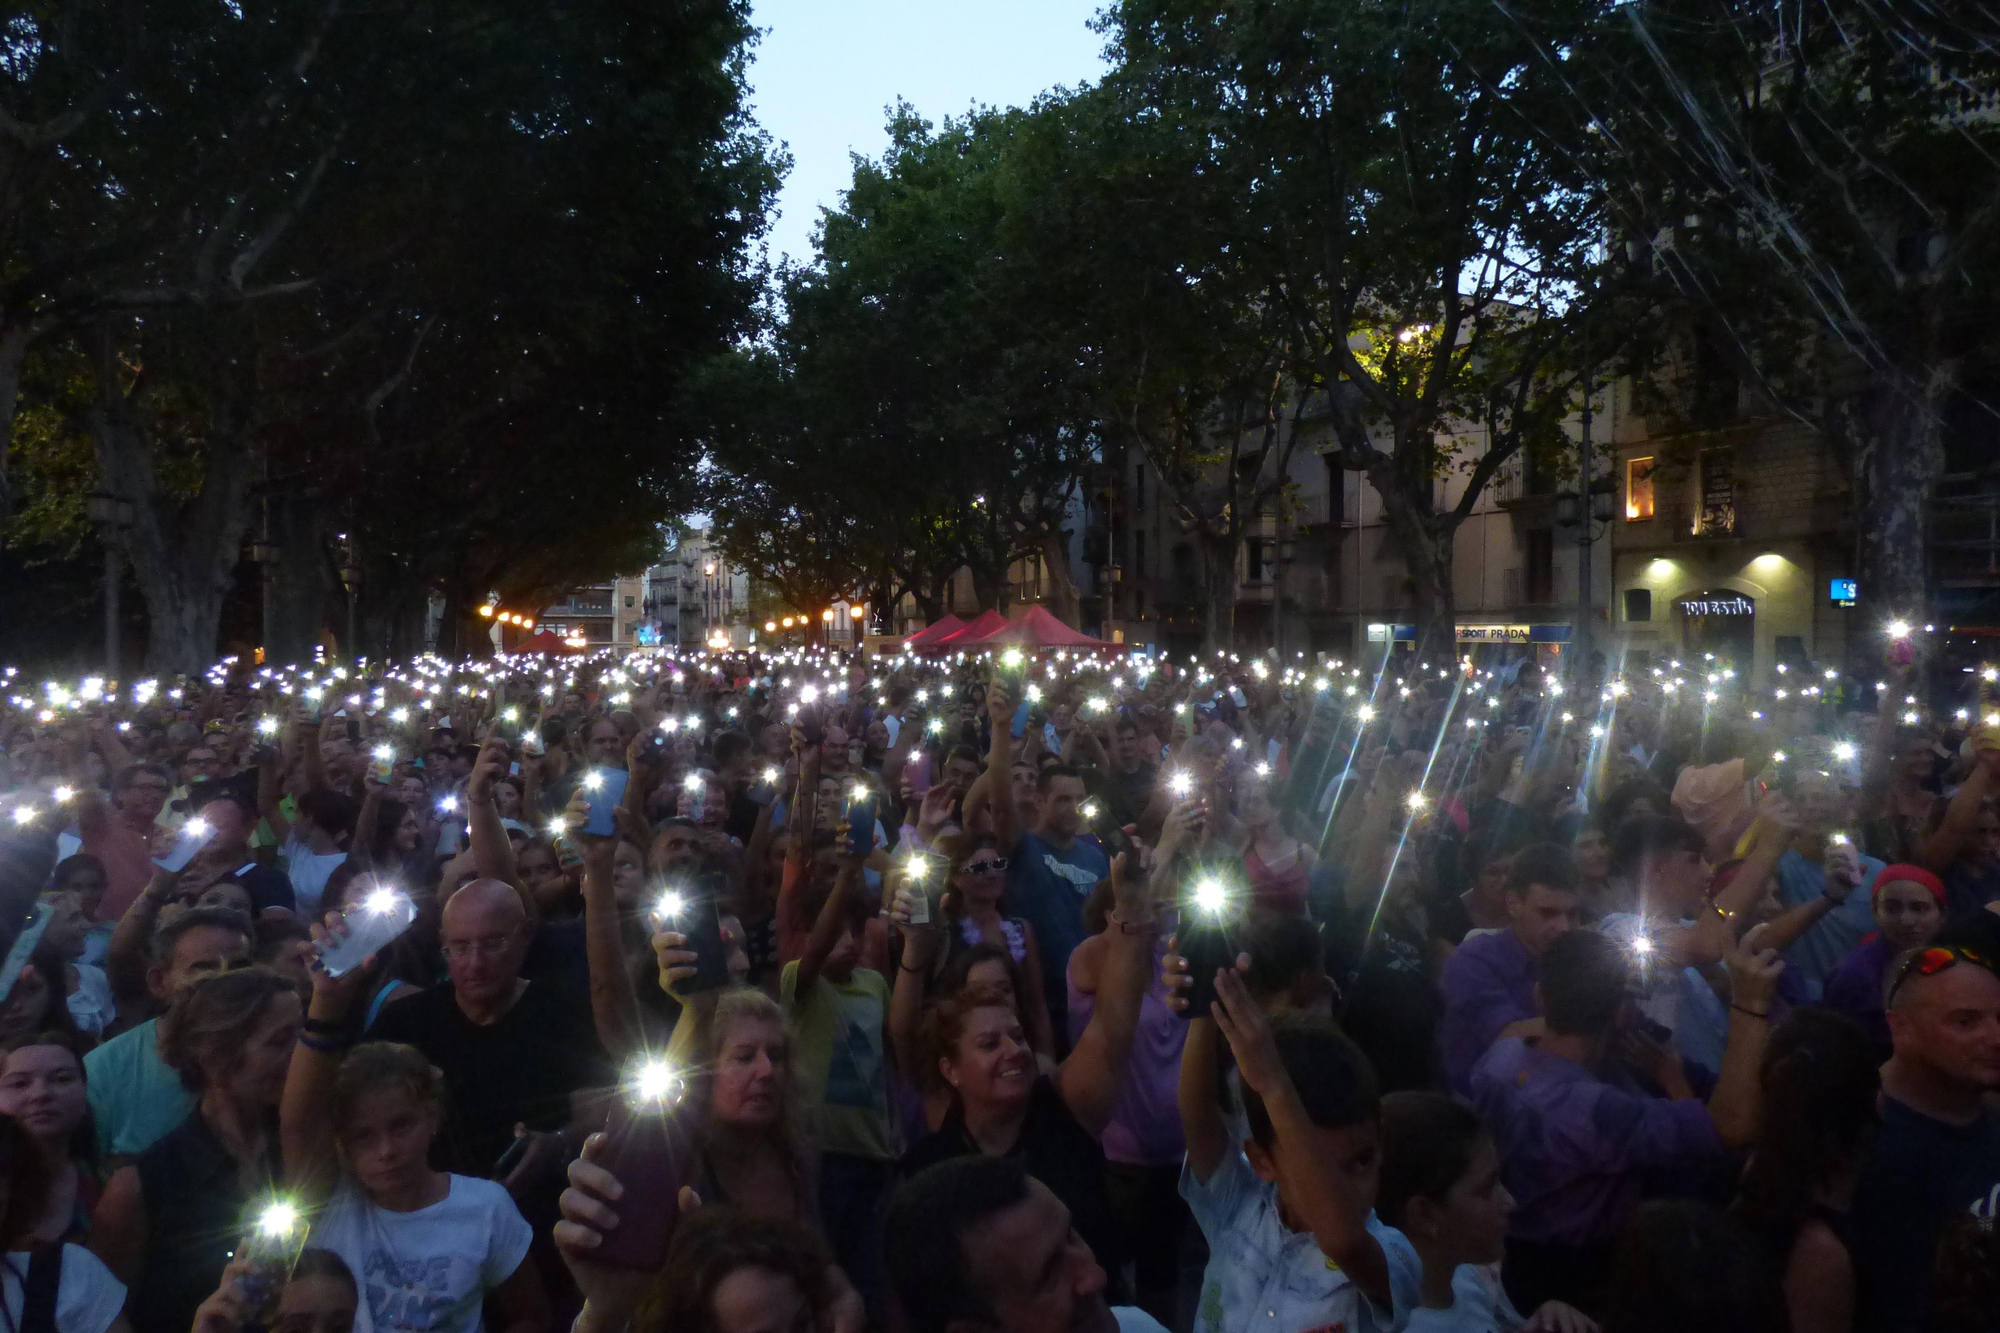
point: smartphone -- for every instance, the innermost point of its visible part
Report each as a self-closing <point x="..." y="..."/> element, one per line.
<point x="694" y="799"/>
<point x="652" y="1144"/>
<point x="765" y="789"/>
<point x="382" y="916"/>
<point x="383" y="768"/>
<point x="859" y="816"/>
<point x="1203" y="939"/>
<point x="605" y="788"/>
<point x="691" y="911"/>
<point x="531" y="743"/>
<point x="315" y="700"/>
<point x="272" y="1246"/>
<point x="924" y="872"/>
<point x="194" y="835"/>
<point x="811" y="724"/>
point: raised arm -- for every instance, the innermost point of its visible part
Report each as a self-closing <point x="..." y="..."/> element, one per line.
<point x="305" y="1131"/>
<point x="999" y="760"/>
<point x="614" y="1000"/>
<point x="1332" y="1204"/>
<point x="1091" y="1077"/>
<point x="270" y="796"/>
<point x="1961" y="818"/>
<point x="116" y="757"/>
<point x="492" y="849"/>
<point x="1753" y="984"/>
<point x="827" y="927"/>
<point x="125" y="955"/>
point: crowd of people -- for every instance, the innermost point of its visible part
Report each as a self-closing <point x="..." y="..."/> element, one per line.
<point x="1024" y="991"/>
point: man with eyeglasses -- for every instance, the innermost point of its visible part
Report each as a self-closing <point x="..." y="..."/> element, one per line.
<point x="512" y="1051"/>
<point x="135" y="1096"/>
<point x="121" y="833"/>
<point x="1937" y="1153"/>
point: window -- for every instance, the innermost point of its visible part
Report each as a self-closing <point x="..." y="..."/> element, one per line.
<point x="1638" y="489"/>
<point x="1541" y="568"/>
<point x="1336" y="490"/>
<point x="630" y="602"/>
<point x="1139" y="486"/>
<point x="1139" y="554"/>
<point x="1256" y="551"/>
<point x="1638" y="605"/>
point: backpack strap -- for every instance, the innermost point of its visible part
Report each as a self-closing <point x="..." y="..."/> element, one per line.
<point x="38" y="1293"/>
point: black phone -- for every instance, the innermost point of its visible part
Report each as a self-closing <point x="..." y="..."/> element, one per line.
<point x="652" y="1144"/>
<point x="1203" y="939"/>
<point x="812" y="725"/>
<point x="692" y="911"/>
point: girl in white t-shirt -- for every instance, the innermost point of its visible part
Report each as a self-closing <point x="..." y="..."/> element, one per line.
<point x="427" y="1249"/>
<point x="88" y="1299"/>
<point x="1440" y="1186"/>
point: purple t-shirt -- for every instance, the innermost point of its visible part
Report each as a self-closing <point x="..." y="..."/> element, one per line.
<point x="1854" y="987"/>
<point x="1145" y="1128"/>
<point x="1572" y="1147"/>
<point x="1488" y="983"/>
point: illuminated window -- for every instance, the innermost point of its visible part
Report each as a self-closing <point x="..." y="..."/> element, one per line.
<point x="1638" y="489"/>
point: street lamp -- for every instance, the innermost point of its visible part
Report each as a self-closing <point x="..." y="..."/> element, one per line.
<point x="350" y="578"/>
<point x="112" y="514"/>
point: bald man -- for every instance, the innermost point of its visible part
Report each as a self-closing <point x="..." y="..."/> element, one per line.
<point x="512" y="1051"/>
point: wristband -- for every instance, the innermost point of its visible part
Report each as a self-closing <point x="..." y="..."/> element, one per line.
<point x="1764" y="1014"/>
<point x="1828" y="895"/>
<point x="1145" y="926"/>
<point x="312" y="1043"/>
<point x="907" y="968"/>
<point x="323" y="1027"/>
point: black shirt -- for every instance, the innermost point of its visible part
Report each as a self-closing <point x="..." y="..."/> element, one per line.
<point x="1058" y="1152"/>
<point x="1920" y="1174"/>
<point x="197" y="1209"/>
<point x="521" y="1069"/>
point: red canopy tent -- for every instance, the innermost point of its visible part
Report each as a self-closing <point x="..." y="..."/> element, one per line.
<point x="979" y="627"/>
<point x="1035" y="630"/>
<point x="934" y="631"/>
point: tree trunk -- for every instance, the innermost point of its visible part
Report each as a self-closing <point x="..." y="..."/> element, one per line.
<point x="183" y="555"/>
<point x="1424" y="538"/>
<point x="13" y="355"/>
<point x="297" y="605"/>
<point x="1898" y="459"/>
<point x="1218" y="588"/>
<point x="990" y="588"/>
<point x="1064" y="602"/>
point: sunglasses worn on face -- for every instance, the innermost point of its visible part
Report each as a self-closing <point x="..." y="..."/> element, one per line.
<point x="1929" y="962"/>
<point x="993" y="867"/>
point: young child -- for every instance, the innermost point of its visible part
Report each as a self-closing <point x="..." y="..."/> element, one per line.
<point x="1440" y="1186"/>
<point x="838" y="1011"/>
<point x="1288" y="1213"/>
<point x="429" y="1250"/>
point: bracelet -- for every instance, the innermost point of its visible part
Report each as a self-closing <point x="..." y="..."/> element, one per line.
<point x="1145" y="926"/>
<point x="323" y="1027"/>
<point x="1831" y="900"/>
<point x="1764" y="1014"/>
<point x="1721" y="911"/>
<point x="907" y="968"/>
<point x="312" y="1043"/>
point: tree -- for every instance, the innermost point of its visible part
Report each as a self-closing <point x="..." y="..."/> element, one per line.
<point x="1815" y="187"/>
<point x="1373" y="191"/>
<point x="479" y="298"/>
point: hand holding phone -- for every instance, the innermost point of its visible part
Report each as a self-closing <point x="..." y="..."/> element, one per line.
<point x="194" y="835"/>
<point x="603" y="788"/>
<point x="692" y="914"/>
<point x="651" y="1147"/>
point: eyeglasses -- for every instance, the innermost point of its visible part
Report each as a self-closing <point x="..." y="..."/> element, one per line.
<point x="1929" y="962"/>
<point x="490" y="946"/>
<point x="993" y="867"/>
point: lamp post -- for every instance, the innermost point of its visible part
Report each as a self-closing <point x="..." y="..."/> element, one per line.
<point x="1111" y="575"/>
<point x="112" y="514"/>
<point x="1584" y="514"/>
<point x="1287" y="551"/>
<point x="350" y="578"/>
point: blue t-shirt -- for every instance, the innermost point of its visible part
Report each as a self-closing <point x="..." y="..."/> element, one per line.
<point x="1048" y="886"/>
<point x="1833" y="936"/>
<point x="1921" y="1173"/>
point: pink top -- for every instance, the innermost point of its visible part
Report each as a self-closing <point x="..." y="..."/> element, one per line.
<point x="1282" y="891"/>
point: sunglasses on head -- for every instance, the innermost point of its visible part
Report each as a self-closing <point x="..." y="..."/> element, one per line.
<point x="1929" y="962"/>
<point x="993" y="867"/>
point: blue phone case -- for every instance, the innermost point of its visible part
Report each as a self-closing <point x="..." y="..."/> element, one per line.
<point x="604" y="800"/>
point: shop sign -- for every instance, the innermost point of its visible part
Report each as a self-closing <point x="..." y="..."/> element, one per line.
<point x="1717" y="604"/>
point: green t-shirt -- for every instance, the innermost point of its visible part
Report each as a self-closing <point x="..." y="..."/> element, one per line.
<point x="135" y="1097"/>
<point x="841" y="1062"/>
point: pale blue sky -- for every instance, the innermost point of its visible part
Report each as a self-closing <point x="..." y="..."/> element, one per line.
<point x="826" y="72"/>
